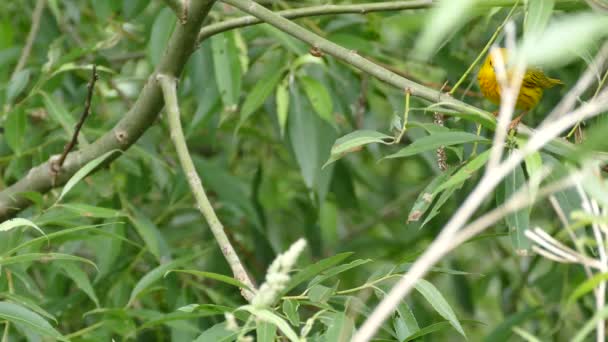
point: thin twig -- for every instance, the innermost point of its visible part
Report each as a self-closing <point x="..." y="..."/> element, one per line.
<point x="27" y="49"/>
<point x="56" y="166"/>
<point x="169" y="85"/>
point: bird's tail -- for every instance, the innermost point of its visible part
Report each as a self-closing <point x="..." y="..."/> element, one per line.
<point x="552" y="82"/>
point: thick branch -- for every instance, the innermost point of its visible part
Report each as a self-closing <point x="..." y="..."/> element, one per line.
<point x="129" y="129"/>
<point x="169" y="85"/>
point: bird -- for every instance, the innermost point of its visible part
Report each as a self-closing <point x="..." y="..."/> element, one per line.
<point x="531" y="91"/>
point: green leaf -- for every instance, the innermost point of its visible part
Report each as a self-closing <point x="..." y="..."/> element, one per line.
<point x="227" y="68"/>
<point x="270" y="317"/>
<point x="81" y="280"/>
<point x="218" y="333"/>
<point x="334" y="271"/>
<point x="290" y="309"/>
<point x="438" y="302"/>
<point x="426" y="197"/>
<point x="564" y="40"/>
<point x="432" y="142"/>
<point x="210" y="275"/>
<point x="28" y="303"/>
<point x="18" y="222"/>
<point x="340" y="327"/>
<point x="438" y="204"/>
<point x="83" y="172"/>
<point x="519" y="221"/>
<point x="20" y="315"/>
<point x="445" y="19"/>
<point x="159" y="36"/>
<point x="86" y="210"/>
<point x="59" y="114"/>
<point x="590" y="325"/>
<point x="429" y="329"/>
<point x="314" y="269"/>
<point x="266" y="332"/>
<point x="262" y="89"/>
<point x="504" y="330"/>
<point x="15" y="125"/>
<point x="319" y="293"/>
<point x="282" y="96"/>
<point x="17" y="84"/>
<point x="586" y="287"/>
<point x="465" y="172"/>
<point x="157" y="274"/>
<point x="405" y="322"/>
<point x="319" y="98"/>
<point x="44" y="257"/>
<point x="353" y="141"/>
<point x="537" y="16"/>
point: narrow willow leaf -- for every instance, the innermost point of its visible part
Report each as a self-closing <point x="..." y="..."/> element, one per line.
<point x="160" y="33"/>
<point x="83" y="172"/>
<point x="260" y="92"/>
<point x="438" y="204"/>
<point x="340" y="327"/>
<point x="429" y="329"/>
<point x="504" y="330"/>
<point x="586" y="287"/>
<point x="564" y="40"/>
<point x="218" y="333"/>
<point x="59" y="113"/>
<point x="426" y="197"/>
<point x="18" y="222"/>
<point x="81" y="280"/>
<point x="20" y="315"/>
<point x="314" y="269"/>
<point x="210" y="275"/>
<point x="354" y="141"/>
<point x="590" y="325"/>
<point x="44" y="257"/>
<point x="282" y="96"/>
<point x="519" y="221"/>
<point x="405" y="322"/>
<point x="446" y="18"/>
<point x="332" y="272"/>
<point x="266" y="332"/>
<point x="438" y="302"/>
<point x="465" y="172"/>
<point x="319" y="98"/>
<point x="290" y="309"/>
<point x="28" y="303"/>
<point x="17" y="84"/>
<point x="432" y="142"/>
<point x="157" y="274"/>
<point x="14" y="130"/>
<point x="227" y="68"/>
<point x="270" y="317"/>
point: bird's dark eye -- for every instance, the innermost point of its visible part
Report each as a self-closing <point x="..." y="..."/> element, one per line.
<point x="491" y="62"/>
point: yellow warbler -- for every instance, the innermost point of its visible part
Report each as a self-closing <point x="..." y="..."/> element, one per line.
<point x="530" y="93"/>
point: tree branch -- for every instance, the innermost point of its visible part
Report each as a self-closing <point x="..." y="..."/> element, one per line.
<point x="129" y="129"/>
<point x="312" y="11"/>
<point x="180" y="7"/>
<point x="169" y="85"/>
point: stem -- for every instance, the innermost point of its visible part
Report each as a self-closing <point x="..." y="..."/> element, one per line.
<point x="169" y="86"/>
<point x="27" y="49"/>
<point x="312" y="11"/>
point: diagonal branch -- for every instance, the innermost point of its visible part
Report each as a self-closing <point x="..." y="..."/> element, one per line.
<point x="126" y="132"/>
<point x="169" y="85"/>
